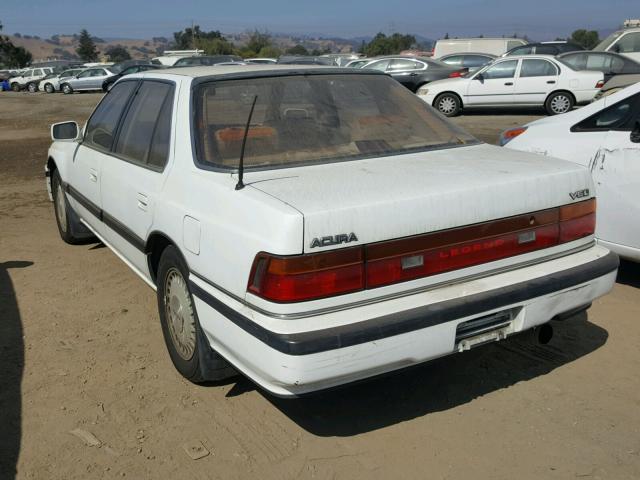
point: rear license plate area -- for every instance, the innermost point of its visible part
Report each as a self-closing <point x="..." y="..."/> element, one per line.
<point x="481" y="330"/>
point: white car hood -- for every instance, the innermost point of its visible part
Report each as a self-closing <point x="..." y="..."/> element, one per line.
<point x="392" y="197"/>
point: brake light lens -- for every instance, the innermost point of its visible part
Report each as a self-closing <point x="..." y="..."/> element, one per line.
<point x="600" y="84"/>
<point x="308" y="277"/>
<point x="457" y="74"/>
<point x="509" y="135"/>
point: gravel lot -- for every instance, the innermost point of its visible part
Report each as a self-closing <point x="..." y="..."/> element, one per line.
<point x="81" y="348"/>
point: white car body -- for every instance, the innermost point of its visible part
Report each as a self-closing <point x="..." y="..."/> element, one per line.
<point x="55" y="81"/>
<point x="625" y="42"/>
<point x="494" y="46"/>
<point x="328" y="210"/>
<point x="516" y="90"/>
<point x="32" y="75"/>
<point x="609" y="153"/>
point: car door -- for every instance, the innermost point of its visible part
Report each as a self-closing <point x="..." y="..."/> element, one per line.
<point x="133" y="176"/>
<point x="406" y="71"/>
<point x="493" y="85"/>
<point x="82" y="80"/>
<point x="95" y="80"/>
<point x="536" y="78"/>
<point x="84" y="177"/>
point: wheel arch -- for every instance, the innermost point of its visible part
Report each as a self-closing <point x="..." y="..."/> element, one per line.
<point x="156" y="243"/>
<point x="49" y="168"/>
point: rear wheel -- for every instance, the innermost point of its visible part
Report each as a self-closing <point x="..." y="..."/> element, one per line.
<point x="66" y="88"/>
<point x="49" y="88"/>
<point x="188" y="348"/>
<point x="448" y="104"/>
<point x="558" y="103"/>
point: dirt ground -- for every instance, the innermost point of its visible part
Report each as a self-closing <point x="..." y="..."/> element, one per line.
<point x="81" y="348"/>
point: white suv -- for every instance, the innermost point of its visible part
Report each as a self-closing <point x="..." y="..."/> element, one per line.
<point x="29" y="79"/>
<point x="316" y="226"/>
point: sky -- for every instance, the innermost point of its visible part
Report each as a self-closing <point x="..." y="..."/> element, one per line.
<point x="540" y="20"/>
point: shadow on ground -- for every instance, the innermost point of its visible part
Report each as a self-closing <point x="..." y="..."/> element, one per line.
<point x="440" y="385"/>
<point x="11" y="368"/>
<point x="629" y="273"/>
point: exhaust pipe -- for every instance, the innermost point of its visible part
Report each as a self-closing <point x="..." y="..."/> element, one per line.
<point x="545" y="334"/>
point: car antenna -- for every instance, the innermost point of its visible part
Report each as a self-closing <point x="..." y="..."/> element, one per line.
<point x="240" y="184"/>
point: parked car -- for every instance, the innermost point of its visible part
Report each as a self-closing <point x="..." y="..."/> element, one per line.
<point x="625" y="42"/>
<point x="538" y="80"/>
<point x="207" y="60"/>
<point x="342" y="59"/>
<point x="87" y="80"/>
<point x="306" y="60"/>
<point x="616" y="84"/>
<point x="51" y="83"/>
<point x="293" y="218"/>
<point x="361" y="62"/>
<point x="605" y="137"/>
<point x="414" y="72"/>
<point x="170" y="57"/>
<point x="471" y="61"/>
<point x="494" y="46"/>
<point x="544" y="48"/>
<point x="29" y="79"/>
<point x="262" y="61"/>
<point x="110" y="81"/>
<point x="610" y="64"/>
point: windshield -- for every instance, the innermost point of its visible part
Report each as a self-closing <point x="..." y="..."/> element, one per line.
<point x="312" y="119"/>
<point x="606" y="43"/>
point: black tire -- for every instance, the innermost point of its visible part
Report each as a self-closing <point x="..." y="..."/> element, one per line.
<point x="32" y="87"/>
<point x="559" y="102"/>
<point x="448" y="104"/>
<point x="191" y="355"/>
<point x="49" y="88"/>
<point x="66" y="218"/>
<point x="15" y="86"/>
<point x="66" y="88"/>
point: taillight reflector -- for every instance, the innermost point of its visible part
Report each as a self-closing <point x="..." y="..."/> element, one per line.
<point x="308" y="277"/>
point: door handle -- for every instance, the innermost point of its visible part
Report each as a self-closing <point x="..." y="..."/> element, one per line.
<point x="143" y="201"/>
<point x="551" y="82"/>
<point x="413" y="74"/>
<point x="509" y="83"/>
<point x="93" y="175"/>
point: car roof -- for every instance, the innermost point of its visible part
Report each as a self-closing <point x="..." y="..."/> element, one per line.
<point x="529" y="56"/>
<point x="249" y="70"/>
<point x="491" y="55"/>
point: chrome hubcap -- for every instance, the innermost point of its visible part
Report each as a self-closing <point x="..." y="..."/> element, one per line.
<point x="61" y="210"/>
<point x="179" y="313"/>
<point x="560" y="104"/>
<point x="447" y="105"/>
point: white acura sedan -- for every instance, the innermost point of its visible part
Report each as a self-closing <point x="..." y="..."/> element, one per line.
<point x="516" y="81"/>
<point x="316" y="226"/>
<point x="605" y="137"/>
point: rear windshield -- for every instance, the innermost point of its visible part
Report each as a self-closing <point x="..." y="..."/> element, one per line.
<point x="312" y="119"/>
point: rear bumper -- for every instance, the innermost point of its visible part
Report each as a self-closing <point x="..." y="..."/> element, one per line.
<point x="287" y="359"/>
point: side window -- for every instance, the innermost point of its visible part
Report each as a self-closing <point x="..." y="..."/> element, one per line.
<point x="522" y="51"/>
<point x="547" y="50"/>
<point x="628" y="43"/>
<point x="380" y="65"/>
<point x="85" y="74"/>
<point x="513" y="44"/>
<point x="144" y="136"/>
<point x="618" y="116"/>
<point x="37" y="73"/>
<point x="400" y="64"/>
<point x="577" y="61"/>
<point x="475" y="61"/>
<point x="454" y="60"/>
<point x="102" y="124"/>
<point x="537" y="68"/>
<point x="98" y="73"/>
<point x="501" y="70"/>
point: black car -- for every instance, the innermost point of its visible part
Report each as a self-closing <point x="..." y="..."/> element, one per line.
<point x="544" y="48"/>
<point x="413" y="72"/>
<point x="609" y="63"/>
<point x="306" y="60"/>
<point x="206" y="60"/>
<point x="471" y="61"/>
<point x="108" y="83"/>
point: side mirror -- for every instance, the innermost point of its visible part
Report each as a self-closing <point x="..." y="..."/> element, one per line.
<point x="479" y="77"/>
<point x="635" y="133"/>
<point x="65" y="131"/>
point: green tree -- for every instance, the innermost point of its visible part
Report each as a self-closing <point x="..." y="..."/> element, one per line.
<point x="257" y="41"/>
<point x="216" y="46"/>
<point x="86" y="50"/>
<point x="117" y="54"/>
<point x="269" y="51"/>
<point x="297" y="50"/>
<point x="383" y="45"/>
<point x="586" y="38"/>
<point x="12" y="56"/>
<point x="192" y="38"/>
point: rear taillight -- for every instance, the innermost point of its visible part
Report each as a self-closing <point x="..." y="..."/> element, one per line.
<point x="456" y="74"/>
<point x="600" y="84"/>
<point x="509" y="135"/>
<point x="308" y="277"/>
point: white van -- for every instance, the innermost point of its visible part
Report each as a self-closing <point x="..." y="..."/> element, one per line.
<point x="625" y="42"/>
<point x="494" y="46"/>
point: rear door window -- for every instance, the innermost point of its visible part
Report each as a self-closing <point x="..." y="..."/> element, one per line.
<point x="147" y="121"/>
<point x="455" y="60"/>
<point x="379" y="65"/>
<point x="402" y="64"/>
<point x="537" y="68"/>
<point x="102" y="125"/>
<point x="475" y="61"/>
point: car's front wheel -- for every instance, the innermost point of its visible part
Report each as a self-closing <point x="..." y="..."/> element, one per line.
<point x="558" y="103"/>
<point x="448" y="104"/>
<point x="49" y="88"/>
<point x="66" y="88"/>
<point x="63" y="211"/>
<point x="15" y="86"/>
<point x="188" y="348"/>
